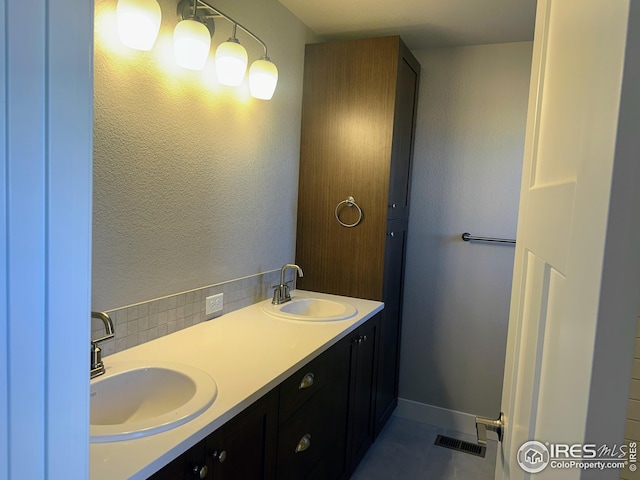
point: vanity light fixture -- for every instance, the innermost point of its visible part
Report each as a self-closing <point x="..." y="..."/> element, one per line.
<point x="231" y="61"/>
<point x="263" y="77"/>
<point x="191" y="40"/>
<point x="231" y="57"/>
<point x="138" y="23"/>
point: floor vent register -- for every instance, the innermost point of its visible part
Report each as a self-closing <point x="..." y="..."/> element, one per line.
<point x="461" y="445"/>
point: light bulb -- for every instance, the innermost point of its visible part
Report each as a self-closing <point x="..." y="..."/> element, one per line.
<point x="231" y="62"/>
<point x="191" y="44"/>
<point x="263" y="78"/>
<point x="138" y="23"/>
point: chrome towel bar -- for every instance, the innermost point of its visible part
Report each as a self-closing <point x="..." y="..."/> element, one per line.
<point x="467" y="237"/>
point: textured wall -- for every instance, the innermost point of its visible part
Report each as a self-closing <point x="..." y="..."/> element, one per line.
<point x="466" y="177"/>
<point x="194" y="183"/>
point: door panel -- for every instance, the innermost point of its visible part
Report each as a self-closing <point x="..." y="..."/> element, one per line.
<point x="549" y="219"/>
<point x="570" y="148"/>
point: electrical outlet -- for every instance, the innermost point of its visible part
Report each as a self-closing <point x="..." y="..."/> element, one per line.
<point x="214" y="304"/>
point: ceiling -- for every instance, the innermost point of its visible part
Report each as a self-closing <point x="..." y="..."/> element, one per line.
<point x="421" y="23"/>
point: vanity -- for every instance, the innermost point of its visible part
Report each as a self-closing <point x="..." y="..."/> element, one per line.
<point x="293" y="397"/>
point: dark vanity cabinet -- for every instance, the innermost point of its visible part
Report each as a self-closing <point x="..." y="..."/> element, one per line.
<point x="243" y="448"/>
<point x="358" y="123"/>
<point x="331" y="428"/>
<point x="316" y="425"/>
<point x="360" y="431"/>
<point x="190" y="465"/>
<point x="313" y="418"/>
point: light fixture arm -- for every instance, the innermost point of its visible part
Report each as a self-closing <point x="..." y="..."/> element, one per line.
<point x="212" y="12"/>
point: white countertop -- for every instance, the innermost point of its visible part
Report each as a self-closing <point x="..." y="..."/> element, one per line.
<point x="247" y="353"/>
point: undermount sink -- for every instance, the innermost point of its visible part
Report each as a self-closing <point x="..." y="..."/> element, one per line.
<point x="311" y="309"/>
<point x="135" y="400"/>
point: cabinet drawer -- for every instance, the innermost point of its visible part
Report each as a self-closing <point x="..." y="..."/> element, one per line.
<point x="313" y="436"/>
<point x="310" y="379"/>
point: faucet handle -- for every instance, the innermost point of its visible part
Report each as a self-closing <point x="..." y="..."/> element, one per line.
<point x="97" y="367"/>
<point x="281" y="293"/>
<point x="96" y="355"/>
<point x="285" y="290"/>
<point x="277" y="294"/>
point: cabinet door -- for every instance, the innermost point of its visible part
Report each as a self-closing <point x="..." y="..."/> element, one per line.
<point x="244" y="448"/>
<point x="191" y="465"/>
<point x="403" y="134"/>
<point x="389" y="344"/>
<point x="363" y="348"/>
<point x="345" y="149"/>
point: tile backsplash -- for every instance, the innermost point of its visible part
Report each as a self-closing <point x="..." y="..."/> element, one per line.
<point x="145" y="321"/>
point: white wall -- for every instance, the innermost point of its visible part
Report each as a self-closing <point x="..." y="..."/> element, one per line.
<point x="194" y="183"/>
<point x="466" y="178"/>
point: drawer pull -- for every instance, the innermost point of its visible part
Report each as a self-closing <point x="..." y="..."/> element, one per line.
<point x="220" y="456"/>
<point x="304" y="443"/>
<point x="306" y="382"/>
<point x="201" y="472"/>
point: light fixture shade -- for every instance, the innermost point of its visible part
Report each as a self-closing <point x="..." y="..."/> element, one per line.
<point x="191" y="44"/>
<point x="263" y="78"/>
<point x="138" y="23"/>
<point x="231" y="62"/>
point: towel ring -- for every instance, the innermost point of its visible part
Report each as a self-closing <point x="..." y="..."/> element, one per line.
<point x="349" y="202"/>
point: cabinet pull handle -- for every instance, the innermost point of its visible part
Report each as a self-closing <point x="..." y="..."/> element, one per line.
<point x="393" y="205"/>
<point x="307" y="381"/>
<point x="391" y="234"/>
<point x="220" y="456"/>
<point x="304" y="443"/>
<point x="201" y="472"/>
<point x="360" y="340"/>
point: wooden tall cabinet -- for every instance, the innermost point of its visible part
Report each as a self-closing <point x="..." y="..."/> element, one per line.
<point x="358" y="123"/>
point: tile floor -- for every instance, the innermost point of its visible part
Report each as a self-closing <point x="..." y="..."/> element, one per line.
<point x="404" y="450"/>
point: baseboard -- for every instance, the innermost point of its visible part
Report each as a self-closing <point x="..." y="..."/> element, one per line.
<point x="438" y="416"/>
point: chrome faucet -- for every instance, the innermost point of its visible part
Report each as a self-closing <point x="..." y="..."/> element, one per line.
<point x="281" y="292"/>
<point x="97" y="367"/>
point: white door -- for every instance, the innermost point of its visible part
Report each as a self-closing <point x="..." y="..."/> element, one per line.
<point x="46" y="133"/>
<point x="566" y="232"/>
